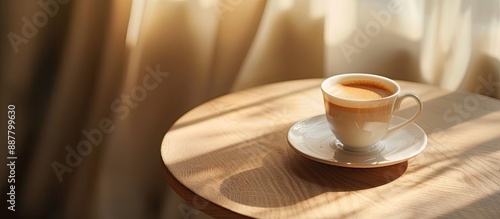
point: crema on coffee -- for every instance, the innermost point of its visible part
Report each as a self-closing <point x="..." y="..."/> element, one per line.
<point x="360" y="90"/>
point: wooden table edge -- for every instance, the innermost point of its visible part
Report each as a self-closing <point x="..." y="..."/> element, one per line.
<point x="192" y="198"/>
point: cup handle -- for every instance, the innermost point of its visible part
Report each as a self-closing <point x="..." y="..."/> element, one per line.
<point x="397" y="104"/>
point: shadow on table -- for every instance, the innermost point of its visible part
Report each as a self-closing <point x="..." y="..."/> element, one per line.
<point x="306" y="179"/>
<point x="286" y="178"/>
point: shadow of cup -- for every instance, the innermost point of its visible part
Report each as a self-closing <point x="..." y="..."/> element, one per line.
<point x="269" y="186"/>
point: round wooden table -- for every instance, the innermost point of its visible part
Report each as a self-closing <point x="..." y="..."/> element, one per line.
<point x="230" y="158"/>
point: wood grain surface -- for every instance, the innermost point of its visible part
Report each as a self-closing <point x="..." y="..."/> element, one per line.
<point x="230" y="158"/>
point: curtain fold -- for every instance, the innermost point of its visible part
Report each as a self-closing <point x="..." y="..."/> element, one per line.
<point x="97" y="84"/>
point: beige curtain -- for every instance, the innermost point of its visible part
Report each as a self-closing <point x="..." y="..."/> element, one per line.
<point x="97" y="84"/>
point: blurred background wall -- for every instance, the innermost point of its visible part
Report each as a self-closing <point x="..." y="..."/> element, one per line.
<point x="97" y="83"/>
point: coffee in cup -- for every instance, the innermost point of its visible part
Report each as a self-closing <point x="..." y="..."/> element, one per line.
<point x="359" y="108"/>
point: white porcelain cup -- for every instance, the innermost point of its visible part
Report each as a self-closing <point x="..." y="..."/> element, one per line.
<point x="359" y="123"/>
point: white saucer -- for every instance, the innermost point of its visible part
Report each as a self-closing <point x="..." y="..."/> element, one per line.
<point x="313" y="139"/>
